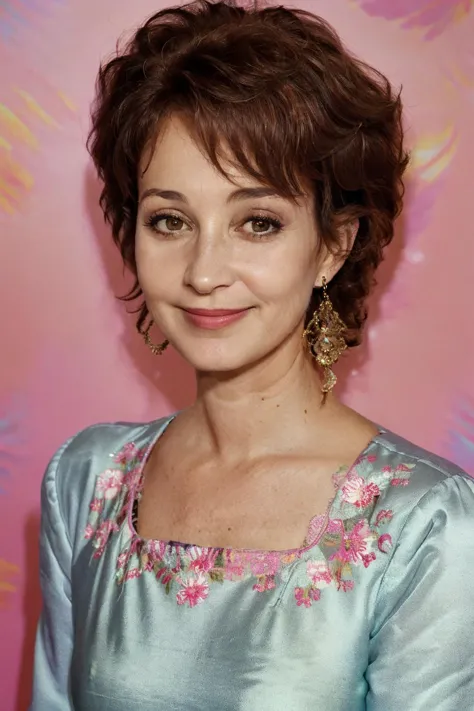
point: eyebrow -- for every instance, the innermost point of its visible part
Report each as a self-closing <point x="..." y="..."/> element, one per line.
<point x="237" y="195"/>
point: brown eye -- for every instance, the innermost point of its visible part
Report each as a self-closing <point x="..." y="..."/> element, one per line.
<point x="167" y="224"/>
<point x="261" y="225"/>
<point x="173" y="223"/>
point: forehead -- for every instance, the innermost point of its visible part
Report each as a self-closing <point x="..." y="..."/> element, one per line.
<point x="175" y="161"/>
<point x="175" y="155"/>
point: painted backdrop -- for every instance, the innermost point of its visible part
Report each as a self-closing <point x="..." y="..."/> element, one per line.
<point x="68" y="352"/>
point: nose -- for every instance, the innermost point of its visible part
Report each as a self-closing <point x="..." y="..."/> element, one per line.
<point x="210" y="264"/>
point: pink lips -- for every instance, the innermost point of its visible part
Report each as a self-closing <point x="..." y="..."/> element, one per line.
<point x="213" y="319"/>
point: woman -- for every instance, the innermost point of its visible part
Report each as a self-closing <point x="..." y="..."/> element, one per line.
<point x="267" y="548"/>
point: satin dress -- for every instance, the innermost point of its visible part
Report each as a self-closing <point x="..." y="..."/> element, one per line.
<point x="375" y="610"/>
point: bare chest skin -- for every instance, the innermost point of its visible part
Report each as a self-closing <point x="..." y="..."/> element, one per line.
<point x="265" y="504"/>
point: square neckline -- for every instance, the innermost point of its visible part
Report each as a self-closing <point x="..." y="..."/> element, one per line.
<point x="133" y="496"/>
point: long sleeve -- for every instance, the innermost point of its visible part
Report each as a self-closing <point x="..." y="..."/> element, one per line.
<point x="55" y="630"/>
<point x="422" y="647"/>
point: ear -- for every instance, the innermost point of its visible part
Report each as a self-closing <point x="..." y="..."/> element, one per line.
<point x="331" y="263"/>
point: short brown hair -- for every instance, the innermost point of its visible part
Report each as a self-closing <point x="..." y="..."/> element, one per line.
<point x="276" y="87"/>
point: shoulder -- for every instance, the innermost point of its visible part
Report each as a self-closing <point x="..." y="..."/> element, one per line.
<point x="419" y="487"/>
<point x="430" y="528"/>
<point x="71" y="475"/>
<point x="413" y="467"/>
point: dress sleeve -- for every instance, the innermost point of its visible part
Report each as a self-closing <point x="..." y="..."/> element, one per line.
<point x="422" y="647"/>
<point x="54" y="638"/>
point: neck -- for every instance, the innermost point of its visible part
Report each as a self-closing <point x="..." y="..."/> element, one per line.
<point x="271" y="408"/>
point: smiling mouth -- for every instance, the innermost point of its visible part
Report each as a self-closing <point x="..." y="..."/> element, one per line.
<point x="213" y="319"/>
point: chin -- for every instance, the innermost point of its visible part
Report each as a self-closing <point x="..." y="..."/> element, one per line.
<point x="207" y="358"/>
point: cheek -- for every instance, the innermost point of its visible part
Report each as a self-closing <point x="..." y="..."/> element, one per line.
<point x="285" y="277"/>
<point x="155" y="273"/>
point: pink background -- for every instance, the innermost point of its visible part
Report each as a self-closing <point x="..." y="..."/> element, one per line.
<point x="69" y="354"/>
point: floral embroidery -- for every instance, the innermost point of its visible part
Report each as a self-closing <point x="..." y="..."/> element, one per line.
<point x="112" y="486"/>
<point x="305" y="597"/>
<point x="110" y="483"/>
<point x="353" y="544"/>
<point x="354" y="541"/>
<point x="359" y="492"/>
<point x="335" y="546"/>
<point x="382" y="516"/>
<point x="319" y="573"/>
<point x="193" y="591"/>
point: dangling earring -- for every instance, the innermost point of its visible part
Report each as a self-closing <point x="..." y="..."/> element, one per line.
<point x="155" y="349"/>
<point x="325" y="339"/>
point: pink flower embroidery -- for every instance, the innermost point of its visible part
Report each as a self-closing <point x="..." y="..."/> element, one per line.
<point x="265" y="582"/>
<point x="102" y="535"/>
<point x="194" y="591"/>
<point x="188" y="571"/>
<point x="335" y="525"/>
<point x="205" y="562"/>
<point x="127" y="454"/>
<point x="385" y="542"/>
<point x="345" y="585"/>
<point x="367" y="559"/>
<point x="131" y="478"/>
<point x="121" y="560"/>
<point x="315" y="529"/>
<point x="306" y="596"/>
<point x="371" y="458"/>
<point x="302" y="597"/>
<point x="319" y="573"/>
<point x="165" y="575"/>
<point x="359" y="492"/>
<point x="110" y="482"/>
<point x="263" y="563"/>
<point x="354" y="543"/>
<point x="233" y="569"/>
<point x="383" y="516"/>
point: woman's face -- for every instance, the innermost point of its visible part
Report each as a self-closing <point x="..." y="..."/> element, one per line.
<point x="227" y="268"/>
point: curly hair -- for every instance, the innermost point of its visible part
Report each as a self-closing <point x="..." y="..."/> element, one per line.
<point x="277" y="90"/>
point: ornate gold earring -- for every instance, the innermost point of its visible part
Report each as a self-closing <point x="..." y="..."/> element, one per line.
<point x="155" y="349"/>
<point x="324" y="336"/>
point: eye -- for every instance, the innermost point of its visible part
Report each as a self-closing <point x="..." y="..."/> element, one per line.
<point x="166" y="223"/>
<point x="263" y="226"/>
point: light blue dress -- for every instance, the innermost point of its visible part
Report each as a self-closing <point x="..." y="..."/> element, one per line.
<point x="374" y="612"/>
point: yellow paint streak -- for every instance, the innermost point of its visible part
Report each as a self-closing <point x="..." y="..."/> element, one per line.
<point x="460" y="12"/>
<point x="20" y="174"/>
<point x="433" y="153"/>
<point x="14" y="126"/>
<point x="36" y="109"/>
<point x="461" y="78"/>
<point x="5" y="206"/>
<point x="13" y="180"/>
<point x="67" y="101"/>
<point x="4" y="144"/>
<point x="8" y="190"/>
<point x="434" y="170"/>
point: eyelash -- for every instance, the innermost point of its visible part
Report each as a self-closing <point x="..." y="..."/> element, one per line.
<point x="153" y="220"/>
<point x="274" y="222"/>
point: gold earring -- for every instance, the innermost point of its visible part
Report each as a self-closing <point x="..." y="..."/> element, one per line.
<point x="155" y="349"/>
<point x="324" y="338"/>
